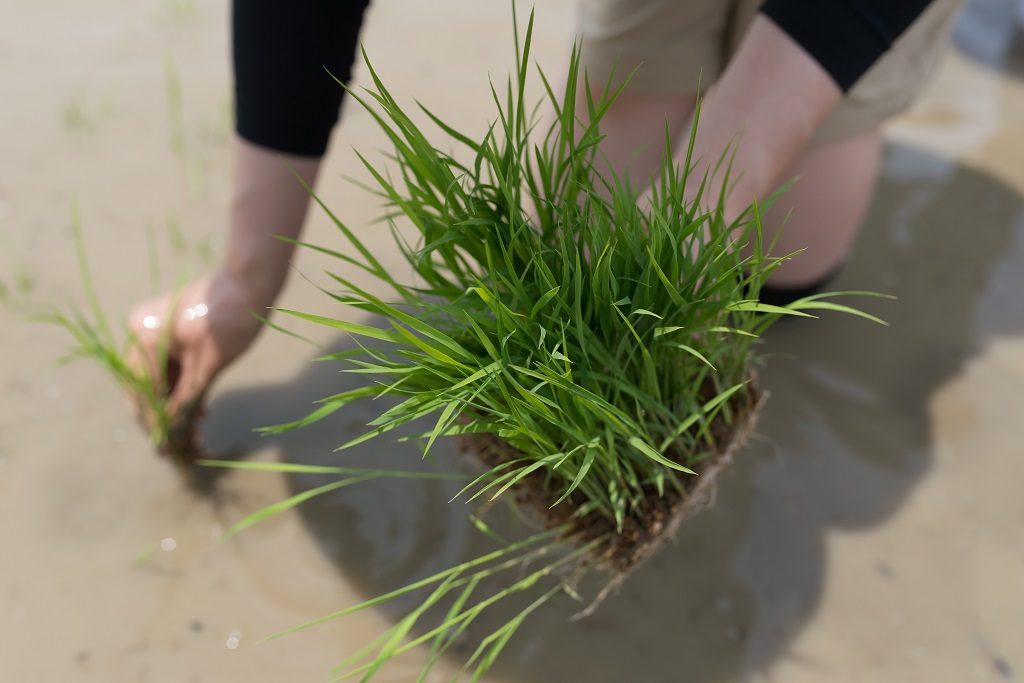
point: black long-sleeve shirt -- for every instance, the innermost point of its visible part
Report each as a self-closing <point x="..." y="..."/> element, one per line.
<point x="283" y="50"/>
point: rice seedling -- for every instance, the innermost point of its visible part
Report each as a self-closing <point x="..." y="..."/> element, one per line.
<point x="175" y="234"/>
<point x="595" y="353"/>
<point x="190" y="155"/>
<point x="24" y="282"/>
<point x="15" y="283"/>
<point x="175" y="107"/>
<point x="95" y="339"/>
<point x="217" y="127"/>
<point x="82" y="114"/>
<point x="180" y="12"/>
<point x="206" y="252"/>
<point x="74" y="117"/>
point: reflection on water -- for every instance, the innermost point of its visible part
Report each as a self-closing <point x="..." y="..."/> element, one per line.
<point x="845" y="439"/>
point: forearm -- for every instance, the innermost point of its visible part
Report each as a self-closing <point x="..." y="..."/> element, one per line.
<point x="285" y="58"/>
<point x="764" y="110"/>
<point x="268" y="200"/>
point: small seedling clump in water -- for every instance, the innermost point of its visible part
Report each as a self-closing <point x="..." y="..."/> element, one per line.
<point x="173" y="434"/>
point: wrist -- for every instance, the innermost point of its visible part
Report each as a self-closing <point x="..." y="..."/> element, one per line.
<point x="260" y="279"/>
<point x="269" y="199"/>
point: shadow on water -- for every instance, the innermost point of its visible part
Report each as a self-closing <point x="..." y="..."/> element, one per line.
<point x="845" y="438"/>
<point x="990" y="33"/>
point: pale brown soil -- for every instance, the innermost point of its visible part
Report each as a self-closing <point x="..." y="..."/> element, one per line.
<point x="871" y="533"/>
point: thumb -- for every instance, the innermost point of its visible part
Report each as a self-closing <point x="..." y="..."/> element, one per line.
<point x="194" y="375"/>
<point x="185" y="407"/>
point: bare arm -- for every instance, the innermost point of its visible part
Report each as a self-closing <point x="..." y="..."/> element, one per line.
<point x="286" y="107"/>
<point x="268" y="200"/>
<point x="212" y="321"/>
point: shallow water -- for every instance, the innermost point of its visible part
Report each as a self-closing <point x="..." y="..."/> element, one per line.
<point x="874" y="530"/>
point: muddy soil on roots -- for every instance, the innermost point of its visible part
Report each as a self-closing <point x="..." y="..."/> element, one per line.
<point x="619" y="552"/>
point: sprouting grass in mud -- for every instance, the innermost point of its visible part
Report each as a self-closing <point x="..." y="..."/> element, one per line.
<point x="74" y="117"/>
<point x="78" y="115"/>
<point x="24" y="283"/>
<point x="21" y="284"/>
<point x="190" y="155"/>
<point x="180" y="12"/>
<point x="95" y="339"/>
<point x="594" y="351"/>
<point x="175" y="107"/>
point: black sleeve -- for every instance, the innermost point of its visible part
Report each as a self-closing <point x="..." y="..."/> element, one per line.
<point x="284" y="97"/>
<point x="845" y="36"/>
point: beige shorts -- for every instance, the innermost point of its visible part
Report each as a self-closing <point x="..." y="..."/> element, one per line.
<point x="674" y="45"/>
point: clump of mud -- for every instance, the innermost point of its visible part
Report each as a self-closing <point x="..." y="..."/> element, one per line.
<point x="181" y="444"/>
<point x="621" y="551"/>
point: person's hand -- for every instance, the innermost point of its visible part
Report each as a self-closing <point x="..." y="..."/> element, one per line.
<point x="211" y="323"/>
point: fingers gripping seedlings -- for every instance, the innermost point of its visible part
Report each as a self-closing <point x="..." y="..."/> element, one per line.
<point x="144" y="375"/>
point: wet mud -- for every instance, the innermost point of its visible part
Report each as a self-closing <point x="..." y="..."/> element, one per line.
<point x="871" y="530"/>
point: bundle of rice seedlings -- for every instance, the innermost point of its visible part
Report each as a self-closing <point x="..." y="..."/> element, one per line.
<point x="173" y="435"/>
<point x="594" y="353"/>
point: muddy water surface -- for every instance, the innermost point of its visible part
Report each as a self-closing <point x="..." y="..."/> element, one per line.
<point x="874" y="531"/>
